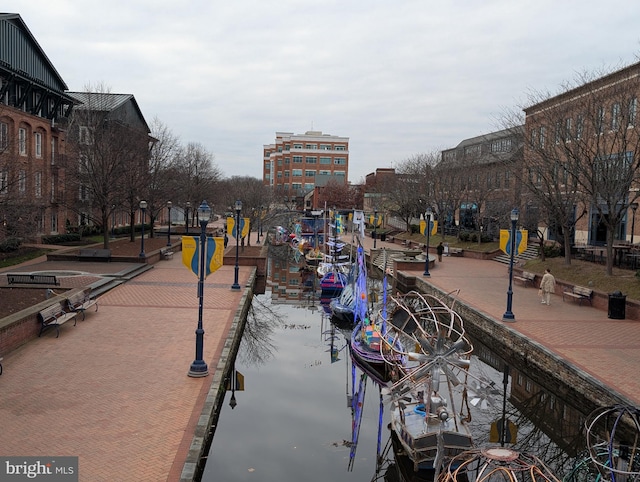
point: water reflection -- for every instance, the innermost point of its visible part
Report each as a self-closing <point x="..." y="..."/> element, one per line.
<point x="308" y="412"/>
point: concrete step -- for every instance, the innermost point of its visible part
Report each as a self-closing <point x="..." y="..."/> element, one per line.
<point x="530" y="253"/>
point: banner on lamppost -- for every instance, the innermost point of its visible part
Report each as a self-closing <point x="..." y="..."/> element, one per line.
<point x="214" y="254"/>
<point x="375" y="220"/>
<point x="434" y="227"/>
<point x="244" y="227"/>
<point x="522" y="238"/>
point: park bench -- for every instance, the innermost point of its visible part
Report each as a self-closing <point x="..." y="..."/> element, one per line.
<point x="94" y="254"/>
<point x="26" y="278"/>
<point x="54" y="315"/>
<point x="166" y="253"/>
<point x="0" y="365"/>
<point x="578" y="293"/>
<point x="526" y="278"/>
<point x="80" y="301"/>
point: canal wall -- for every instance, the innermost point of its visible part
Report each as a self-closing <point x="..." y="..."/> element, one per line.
<point x="208" y="420"/>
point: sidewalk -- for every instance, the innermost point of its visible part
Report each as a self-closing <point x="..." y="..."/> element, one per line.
<point x="607" y="349"/>
<point x="114" y="389"/>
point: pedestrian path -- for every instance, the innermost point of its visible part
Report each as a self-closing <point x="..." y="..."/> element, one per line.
<point x="114" y="389"/>
<point x="607" y="349"/>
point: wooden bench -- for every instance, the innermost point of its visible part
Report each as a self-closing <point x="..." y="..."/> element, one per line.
<point x="54" y="315"/>
<point x="94" y="254"/>
<point x="28" y="279"/>
<point x="0" y="365"/>
<point x="166" y="253"/>
<point x="579" y="293"/>
<point x="526" y="278"/>
<point x="80" y="302"/>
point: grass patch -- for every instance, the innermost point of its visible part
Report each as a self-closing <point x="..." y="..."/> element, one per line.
<point x="589" y="274"/>
<point x="22" y="255"/>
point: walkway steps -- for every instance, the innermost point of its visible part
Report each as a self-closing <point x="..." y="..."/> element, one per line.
<point x="530" y="253"/>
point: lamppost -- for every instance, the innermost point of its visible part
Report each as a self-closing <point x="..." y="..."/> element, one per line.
<point x="186" y="216"/>
<point x="634" y="207"/>
<point x="235" y="285"/>
<point x="427" y="232"/>
<point x="375" y="222"/>
<point x="113" y="221"/>
<point x="508" y="315"/>
<point x="258" y="230"/>
<point x="261" y="211"/>
<point x="143" y="207"/>
<point x="198" y="366"/>
<point x="169" y="224"/>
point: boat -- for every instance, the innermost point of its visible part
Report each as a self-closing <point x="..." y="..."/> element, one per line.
<point x="429" y="428"/>
<point x="334" y="269"/>
<point x="343" y="307"/>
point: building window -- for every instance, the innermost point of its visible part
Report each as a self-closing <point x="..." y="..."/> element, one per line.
<point x="543" y="137"/>
<point x="53" y="151"/>
<point x="297" y="159"/>
<point x="22" y="141"/>
<point x="309" y="173"/>
<point x="287" y="160"/>
<point x="339" y="173"/>
<point x="38" y="184"/>
<point x="22" y="181"/>
<point x="296" y="185"/>
<point x="340" y="161"/>
<point x="567" y="129"/>
<point x="287" y="147"/>
<point x="600" y="120"/>
<point x="579" y="126"/>
<point x="311" y="159"/>
<point x="325" y="160"/>
<point x="507" y="178"/>
<point x="557" y="132"/>
<point x="633" y="105"/>
<point x="326" y="173"/>
<point x="286" y="173"/>
<point x="325" y="147"/>
<point x="4" y="135"/>
<point x="54" y="222"/>
<point x="499" y="145"/>
<point x="311" y="146"/>
<point x="297" y="146"/>
<point x="615" y="116"/>
<point x="297" y="173"/>
<point x="341" y="148"/>
<point x="4" y="182"/>
<point x="85" y="136"/>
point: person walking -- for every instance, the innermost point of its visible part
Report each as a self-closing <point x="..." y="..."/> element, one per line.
<point x="547" y="286"/>
<point x="440" y="250"/>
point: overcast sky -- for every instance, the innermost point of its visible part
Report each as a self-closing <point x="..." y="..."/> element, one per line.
<point x="398" y="78"/>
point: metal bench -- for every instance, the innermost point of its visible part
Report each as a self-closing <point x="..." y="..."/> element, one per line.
<point x="526" y="278"/>
<point x="54" y="315"/>
<point x="166" y="253"/>
<point x="94" y="254"/>
<point x="28" y="279"/>
<point x="81" y="301"/>
<point x="578" y="293"/>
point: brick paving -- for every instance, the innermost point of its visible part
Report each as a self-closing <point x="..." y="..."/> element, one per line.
<point x="114" y="389"/>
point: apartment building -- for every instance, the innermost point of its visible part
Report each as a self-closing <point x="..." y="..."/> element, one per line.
<point x="293" y="164"/>
<point x="34" y="108"/>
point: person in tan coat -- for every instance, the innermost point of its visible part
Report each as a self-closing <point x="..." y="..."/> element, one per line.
<point x="547" y="286"/>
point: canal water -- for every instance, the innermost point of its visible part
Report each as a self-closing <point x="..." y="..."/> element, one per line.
<point x="288" y="415"/>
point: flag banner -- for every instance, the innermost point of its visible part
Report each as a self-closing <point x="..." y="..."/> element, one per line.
<point x="375" y="220"/>
<point x="214" y="253"/>
<point x="231" y="225"/>
<point x="358" y="220"/>
<point x="434" y="227"/>
<point x="340" y="224"/>
<point x="245" y="225"/>
<point x="522" y="239"/>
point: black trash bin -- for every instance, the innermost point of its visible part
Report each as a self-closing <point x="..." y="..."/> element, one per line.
<point x="383" y="236"/>
<point x="617" y="305"/>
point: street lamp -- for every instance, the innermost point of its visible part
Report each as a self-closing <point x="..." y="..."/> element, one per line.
<point x="198" y="366"/>
<point x="169" y="224"/>
<point x="634" y="207"/>
<point x="508" y="315"/>
<point x="186" y="216"/>
<point x="235" y="285"/>
<point x="113" y="221"/>
<point x="261" y="211"/>
<point x="143" y="207"/>
<point x="427" y="232"/>
<point x="375" y="222"/>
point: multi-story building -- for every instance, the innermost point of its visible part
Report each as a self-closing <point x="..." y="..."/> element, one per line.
<point x="293" y="164"/>
<point x="34" y="108"/>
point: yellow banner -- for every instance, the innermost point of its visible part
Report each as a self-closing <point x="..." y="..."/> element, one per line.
<point x="434" y="227"/>
<point x="522" y="240"/>
<point x="214" y="254"/>
<point x="244" y="227"/>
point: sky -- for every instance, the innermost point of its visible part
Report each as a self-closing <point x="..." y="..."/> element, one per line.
<point x="398" y="78"/>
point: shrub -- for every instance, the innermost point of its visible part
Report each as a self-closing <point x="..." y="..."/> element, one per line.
<point x="551" y="251"/>
<point x="10" y="244"/>
<point x="61" y="238"/>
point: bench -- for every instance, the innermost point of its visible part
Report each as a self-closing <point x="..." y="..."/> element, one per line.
<point x="526" y="278"/>
<point x="37" y="279"/>
<point x="54" y="315"/>
<point x="80" y="302"/>
<point x="0" y="365"/>
<point x="166" y="253"/>
<point x="578" y="293"/>
<point x="94" y="254"/>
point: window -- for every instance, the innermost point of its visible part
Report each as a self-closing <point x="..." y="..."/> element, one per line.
<point x="341" y="148"/>
<point x="53" y="151"/>
<point x="287" y="147"/>
<point x="472" y="151"/>
<point x="499" y="145"/>
<point x="309" y="173"/>
<point x="311" y="160"/>
<point x="326" y="173"/>
<point x="296" y="185"/>
<point x="22" y="181"/>
<point x="615" y="116"/>
<point x="579" y="126"/>
<point x="507" y="178"/>
<point x="297" y="159"/>
<point x="22" y="141"/>
<point x="4" y="182"/>
<point x="286" y="173"/>
<point x="309" y="185"/>
<point x="297" y="146"/>
<point x="311" y="146"/>
<point x="4" y="135"/>
<point x="54" y="222"/>
<point x="38" y="184"/>
<point x="600" y="120"/>
<point x="325" y="147"/>
<point x="340" y="161"/>
<point x="297" y="173"/>
<point x="557" y="132"/>
<point x="567" y="129"/>
<point x="287" y="160"/>
<point x="279" y="175"/>
<point x="633" y="105"/>
<point x="339" y="173"/>
<point x="84" y="137"/>
<point x="325" y="160"/>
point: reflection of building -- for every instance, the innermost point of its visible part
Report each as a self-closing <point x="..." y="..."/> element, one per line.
<point x="293" y="162"/>
<point x="290" y="281"/>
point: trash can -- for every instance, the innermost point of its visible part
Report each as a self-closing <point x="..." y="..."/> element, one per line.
<point x="383" y="236"/>
<point x="373" y="234"/>
<point x="617" y="305"/>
